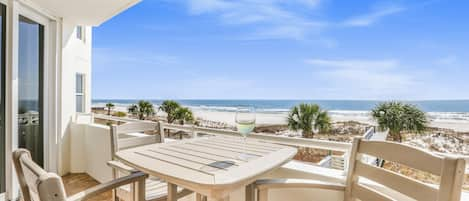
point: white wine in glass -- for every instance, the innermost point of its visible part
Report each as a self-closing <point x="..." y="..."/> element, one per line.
<point x="245" y="123"/>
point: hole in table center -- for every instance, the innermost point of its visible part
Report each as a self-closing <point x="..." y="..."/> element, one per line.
<point x="217" y="165"/>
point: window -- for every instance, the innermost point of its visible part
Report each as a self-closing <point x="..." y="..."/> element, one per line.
<point x="80" y="33"/>
<point x="79" y="93"/>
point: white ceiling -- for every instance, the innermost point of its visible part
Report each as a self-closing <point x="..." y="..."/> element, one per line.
<point x="85" y="12"/>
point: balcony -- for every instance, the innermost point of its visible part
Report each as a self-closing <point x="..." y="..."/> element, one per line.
<point x="90" y="150"/>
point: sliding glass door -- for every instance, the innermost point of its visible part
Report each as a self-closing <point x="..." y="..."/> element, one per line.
<point x="30" y="87"/>
<point x="2" y="98"/>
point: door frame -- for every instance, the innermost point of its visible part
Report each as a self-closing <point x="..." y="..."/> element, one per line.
<point x="50" y="93"/>
<point x="2" y="95"/>
<point x="44" y="21"/>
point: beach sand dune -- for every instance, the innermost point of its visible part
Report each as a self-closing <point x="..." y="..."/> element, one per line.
<point x="281" y="119"/>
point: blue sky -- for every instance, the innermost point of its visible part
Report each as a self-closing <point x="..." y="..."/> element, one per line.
<point x="274" y="49"/>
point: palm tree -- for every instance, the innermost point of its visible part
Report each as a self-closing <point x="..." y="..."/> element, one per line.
<point x="183" y="114"/>
<point x="398" y="117"/>
<point x="109" y="107"/>
<point x="308" y="118"/>
<point x="132" y="109"/>
<point x="142" y="109"/>
<point x="170" y="107"/>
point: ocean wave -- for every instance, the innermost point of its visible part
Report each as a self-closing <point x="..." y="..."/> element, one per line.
<point x="434" y="116"/>
<point x="449" y="116"/>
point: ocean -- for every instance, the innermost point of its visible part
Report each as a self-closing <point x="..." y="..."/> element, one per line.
<point x="436" y="109"/>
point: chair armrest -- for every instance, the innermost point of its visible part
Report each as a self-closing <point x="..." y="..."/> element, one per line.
<point x="121" y="167"/>
<point x="101" y="188"/>
<point x="297" y="183"/>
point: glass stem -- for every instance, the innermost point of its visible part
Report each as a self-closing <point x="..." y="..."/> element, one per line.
<point x="244" y="144"/>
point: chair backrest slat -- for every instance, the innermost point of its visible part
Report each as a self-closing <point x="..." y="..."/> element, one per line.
<point x="367" y="194"/>
<point x="403" y="154"/>
<point x="450" y="170"/>
<point x="118" y="143"/>
<point x="36" y="184"/>
<point x="397" y="182"/>
<point x="133" y="127"/>
<point x="137" y="141"/>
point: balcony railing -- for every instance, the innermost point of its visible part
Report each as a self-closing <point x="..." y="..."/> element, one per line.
<point x="90" y="150"/>
<point x="195" y="131"/>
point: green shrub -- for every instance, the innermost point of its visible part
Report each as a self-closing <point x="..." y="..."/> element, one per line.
<point x="120" y="114"/>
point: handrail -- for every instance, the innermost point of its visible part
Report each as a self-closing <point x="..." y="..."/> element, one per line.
<point x="291" y="141"/>
<point x="113" y="118"/>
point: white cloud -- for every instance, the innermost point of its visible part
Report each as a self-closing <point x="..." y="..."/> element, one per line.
<point x="109" y="57"/>
<point x="272" y="18"/>
<point x="365" y="78"/>
<point x="447" y="61"/>
<point x="203" y="6"/>
<point x="279" y="19"/>
<point x="354" y="63"/>
<point x="373" y="17"/>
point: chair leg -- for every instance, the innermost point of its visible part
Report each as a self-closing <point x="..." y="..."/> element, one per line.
<point x="140" y="190"/>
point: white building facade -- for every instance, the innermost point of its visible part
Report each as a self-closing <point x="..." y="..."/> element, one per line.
<point x="45" y="77"/>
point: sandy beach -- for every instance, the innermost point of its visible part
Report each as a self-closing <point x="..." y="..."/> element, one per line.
<point x="280" y="118"/>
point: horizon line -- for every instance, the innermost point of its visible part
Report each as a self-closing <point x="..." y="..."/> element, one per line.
<point x="266" y="99"/>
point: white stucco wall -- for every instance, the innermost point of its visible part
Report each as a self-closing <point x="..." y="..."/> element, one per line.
<point x="76" y="58"/>
<point x="64" y="57"/>
<point x="91" y="150"/>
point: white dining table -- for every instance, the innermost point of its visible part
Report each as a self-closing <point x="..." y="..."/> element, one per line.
<point x="209" y="166"/>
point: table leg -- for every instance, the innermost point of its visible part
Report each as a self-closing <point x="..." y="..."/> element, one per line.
<point x="172" y="192"/>
<point x="250" y="192"/>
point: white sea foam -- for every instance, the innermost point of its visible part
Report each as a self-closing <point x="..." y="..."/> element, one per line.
<point x="434" y="116"/>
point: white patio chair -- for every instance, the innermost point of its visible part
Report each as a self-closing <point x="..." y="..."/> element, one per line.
<point x="370" y="183"/>
<point x="156" y="188"/>
<point x="38" y="185"/>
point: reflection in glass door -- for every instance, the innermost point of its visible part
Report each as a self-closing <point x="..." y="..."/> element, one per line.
<point x="30" y="88"/>
<point x="2" y="98"/>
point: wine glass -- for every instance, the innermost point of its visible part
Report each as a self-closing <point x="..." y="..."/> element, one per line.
<point x="245" y="122"/>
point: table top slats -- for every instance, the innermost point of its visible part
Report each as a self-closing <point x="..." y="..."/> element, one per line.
<point x="158" y="168"/>
<point x="185" y="156"/>
<point x="242" y="146"/>
<point x="189" y="163"/>
<point x="249" y="143"/>
<point x="196" y="153"/>
<point x="229" y="155"/>
<point x="235" y="150"/>
<point x="258" y="142"/>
